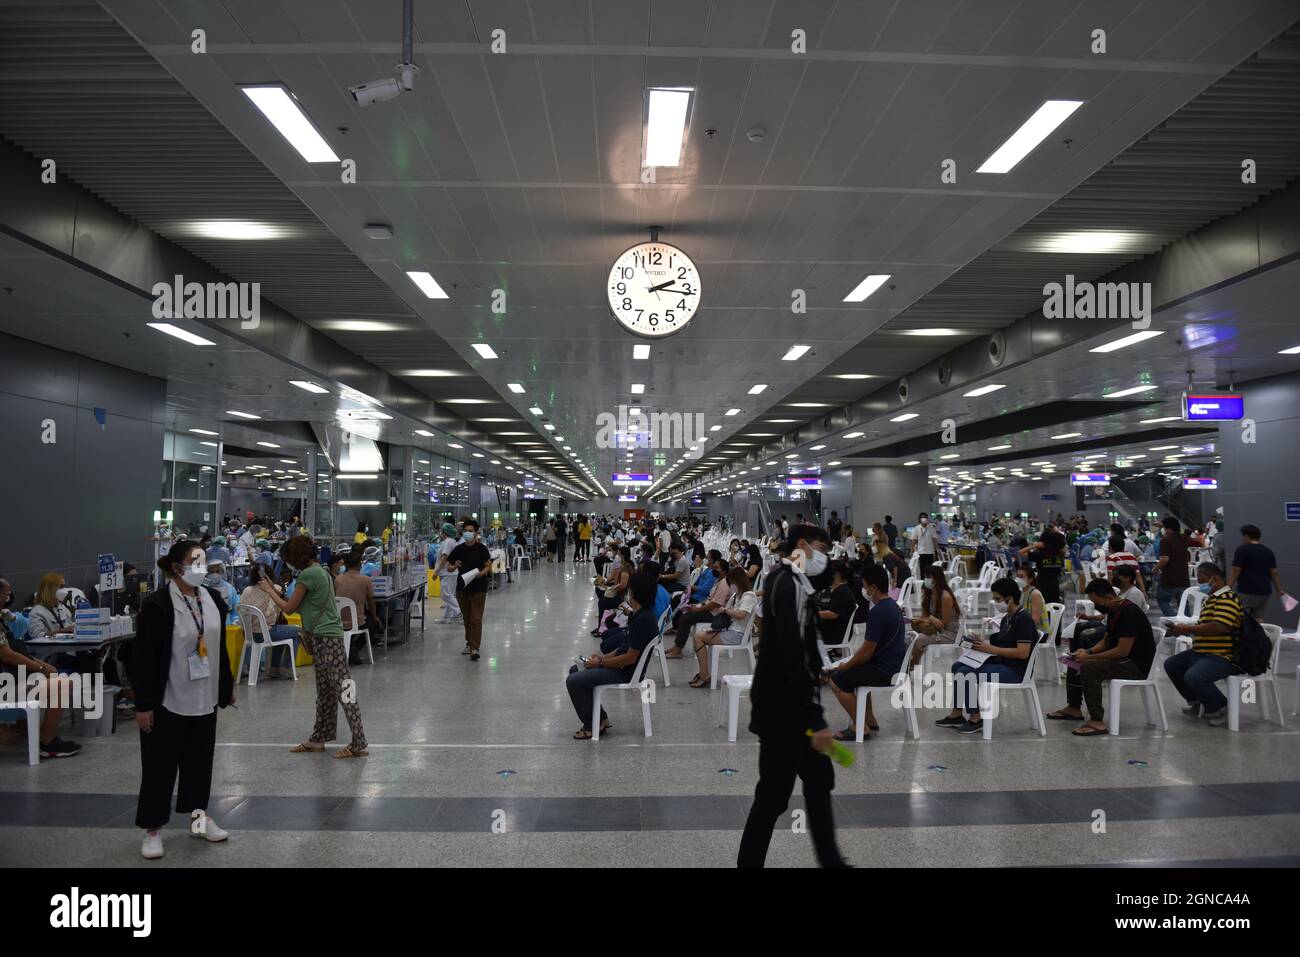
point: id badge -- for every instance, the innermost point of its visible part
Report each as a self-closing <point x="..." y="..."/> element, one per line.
<point x="200" y="667"/>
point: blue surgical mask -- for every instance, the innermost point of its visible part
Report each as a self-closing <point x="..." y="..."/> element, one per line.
<point x="1205" y="589"/>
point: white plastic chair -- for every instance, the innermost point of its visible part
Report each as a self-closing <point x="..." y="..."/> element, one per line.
<point x="1189" y="606"/>
<point x="350" y="633"/>
<point x="734" y="686"/>
<point x="746" y="645"/>
<point x="634" y="685"/>
<point x="662" y="626"/>
<point x="253" y="622"/>
<point x="1267" y="679"/>
<point x="988" y="575"/>
<point x="520" y="556"/>
<point x="1055" y="616"/>
<point x="33" y="710"/>
<point x="900" y="680"/>
<point x="1025" y="686"/>
<point x="907" y="594"/>
<point x="1151" y="699"/>
<point x="846" y="645"/>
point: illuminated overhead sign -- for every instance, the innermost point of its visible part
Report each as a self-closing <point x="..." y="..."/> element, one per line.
<point x="803" y="483"/>
<point x="1213" y="407"/>
<point x="1195" y="482"/>
<point x="1089" y="478"/>
<point x="627" y="498"/>
<point x="632" y="478"/>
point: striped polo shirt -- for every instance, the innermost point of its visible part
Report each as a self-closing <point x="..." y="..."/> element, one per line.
<point x="1221" y="608"/>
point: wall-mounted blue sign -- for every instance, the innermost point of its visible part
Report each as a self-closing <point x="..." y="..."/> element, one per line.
<point x="1217" y="407"/>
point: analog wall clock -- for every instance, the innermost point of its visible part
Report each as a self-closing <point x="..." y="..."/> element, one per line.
<point x="654" y="289"/>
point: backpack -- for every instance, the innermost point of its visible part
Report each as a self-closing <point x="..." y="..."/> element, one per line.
<point x="1253" y="647"/>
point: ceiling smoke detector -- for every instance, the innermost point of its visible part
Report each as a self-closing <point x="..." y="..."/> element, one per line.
<point x="756" y="134"/>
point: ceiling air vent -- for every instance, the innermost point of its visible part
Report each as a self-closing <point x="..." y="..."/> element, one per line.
<point x="997" y="348"/>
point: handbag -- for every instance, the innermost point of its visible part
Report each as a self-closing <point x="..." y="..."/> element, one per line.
<point x="721" y="621"/>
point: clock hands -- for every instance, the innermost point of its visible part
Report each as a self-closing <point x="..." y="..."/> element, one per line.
<point x="662" y="285"/>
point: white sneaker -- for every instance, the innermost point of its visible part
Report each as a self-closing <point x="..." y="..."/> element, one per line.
<point x="210" y="831"/>
<point x="152" y="848"/>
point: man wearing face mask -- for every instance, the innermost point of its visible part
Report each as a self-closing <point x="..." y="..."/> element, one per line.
<point x="472" y="563"/>
<point x="1214" y="638"/>
<point x="926" y="539"/>
<point x="447" y="577"/>
<point x="786" y="704"/>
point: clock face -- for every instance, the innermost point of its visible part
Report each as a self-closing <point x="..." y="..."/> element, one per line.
<point x="653" y="290"/>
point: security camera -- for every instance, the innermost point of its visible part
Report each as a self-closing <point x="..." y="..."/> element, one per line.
<point x="376" y="91"/>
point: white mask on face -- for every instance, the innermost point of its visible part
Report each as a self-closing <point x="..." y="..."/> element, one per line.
<point x="815" y="564"/>
<point x="1000" y="607"/>
<point x="194" y="575"/>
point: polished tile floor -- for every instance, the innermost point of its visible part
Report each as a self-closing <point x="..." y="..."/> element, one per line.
<point x="473" y="764"/>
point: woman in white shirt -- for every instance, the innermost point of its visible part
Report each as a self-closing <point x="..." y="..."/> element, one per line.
<point x="739" y="607"/>
<point x="181" y="674"/>
<point x="49" y="616"/>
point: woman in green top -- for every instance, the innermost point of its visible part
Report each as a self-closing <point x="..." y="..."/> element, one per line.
<point x="322" y="633"/>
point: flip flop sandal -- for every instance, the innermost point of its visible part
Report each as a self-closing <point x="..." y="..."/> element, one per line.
<point x="1088" y="732"/>
<point x="347" y="752"/>
<point x="848" y="734"/>
<point x="304" y="749"/>
<point x="1062" y="716"/>
<point x="700" y="682"/>
<point x="582" y="736"/>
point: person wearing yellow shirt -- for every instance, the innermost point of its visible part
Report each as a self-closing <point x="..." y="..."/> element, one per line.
<point x="388" y="532"/>
<point x="1214" y="638"/>
<point x="583" y="551"/>
<point x="362" y="533"/>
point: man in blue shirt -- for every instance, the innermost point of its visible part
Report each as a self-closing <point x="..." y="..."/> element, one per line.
<point x="879" y="658"/>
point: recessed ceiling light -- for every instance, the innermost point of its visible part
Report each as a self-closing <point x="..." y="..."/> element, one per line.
<point x="269" y="445"/>
<point x="515" y="387"/>
<point x="1092" y="241"/>
<point x="865" y="288"/>
<point x="855" y="435"/>
<point x="913" y="462"/>
<point x="904" y="417"/>
<point x="1032" y="132"/>
<point x="950" y="455"/>
<point x="467" y="401"/>
<point x="206" y="432"/>
<point x="1068" y="435"/>
<point x="637" y="388"/>
<point x="1157" y="448"/>
<point x="983" y="390"/>
<point x="484" y="350"/>
<point x="641" y="352"/>
<point x="429" y="286"/>
<point x="756" y="389"/>
<point x="308" y="386"/>
<point x="1294" y="350"/>
<point x="1166" y="418"/>
<point x="284" y="113"/>
<point x="998" y="448"/>
<point x="818" y="448"/>
<point x="180" y="333"/>
<point x="852" y="375"/>
<point x="666" y="110"/>
<point x="548" y="427"/>
<point x="242" y="415"/>
<point x="795" y="352"/>
<point x="1133" y="391"/>
<point x="732" y="412"/>
<point x="213" y="444"/>
<point x="1127" y="341"/>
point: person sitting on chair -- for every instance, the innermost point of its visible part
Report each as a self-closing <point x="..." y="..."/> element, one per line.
<point x="737" y="610"/>
<point x="879" y="658"/>
<point x="1125" y="652"/>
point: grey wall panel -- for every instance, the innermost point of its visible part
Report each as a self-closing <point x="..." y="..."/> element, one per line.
<point x="1256" y="479"/>
<point x="880" y="490"/>
<point x="95" y="489"/>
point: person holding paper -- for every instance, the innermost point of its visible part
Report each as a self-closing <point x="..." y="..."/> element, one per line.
<point x="1003" y="658"/>
<point x="472" y="561"/>
<point x="1125" y="652"/>
<point x="1254" y="573"/>
<point x="1214" y="637"/>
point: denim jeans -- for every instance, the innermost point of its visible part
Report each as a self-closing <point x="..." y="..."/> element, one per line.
<point x="279" y="655"/>
<point x="1194" y="675"/>
<point x="1005" y="675"/>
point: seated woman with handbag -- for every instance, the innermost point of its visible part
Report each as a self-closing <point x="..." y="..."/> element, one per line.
<point x="728" y="625"/>
<point x="612" y="586"/>
<point x="940" y="618"/>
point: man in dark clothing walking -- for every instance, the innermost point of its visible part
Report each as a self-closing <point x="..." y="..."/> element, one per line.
<point x="786" y="705"/>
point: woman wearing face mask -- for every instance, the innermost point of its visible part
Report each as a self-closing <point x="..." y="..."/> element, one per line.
<point x="216" y="581"/>
<point x="49" y="616"/>
<point x="180" y="671"/>
<point x="322" y="633"/>
<point x="737" y="610"/>
<point x="940" y="618"/>
<point x="1031" y="599"/>
<point x="13" y="627"/>
<point x="1011" y="647"/>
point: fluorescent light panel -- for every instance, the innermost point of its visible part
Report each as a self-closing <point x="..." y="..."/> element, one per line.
<point x="865" y="288"/>
<point x="666" y="126"/>
<point x="1129" y="341"/>
<point x="641" y="352"/>
<point x="1032" y="132"/>
<point x="484" y="350"/>
<point x="983" y="390"/>
<point x="283" y="112"/>
<point x="795" y="352"/>
<point x="307" y="386"/>
<point x="180" y="333"/>
<point x="1133" y="391"/>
